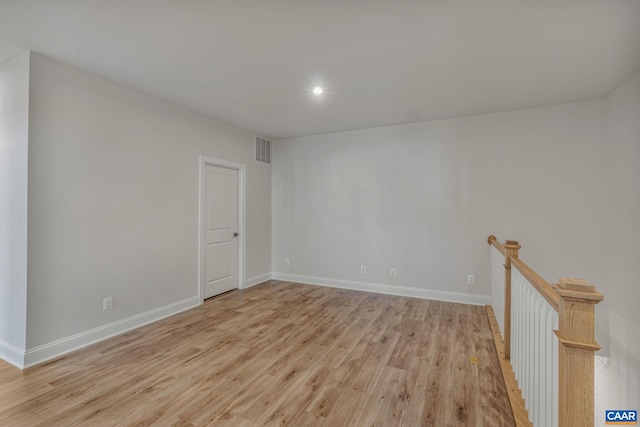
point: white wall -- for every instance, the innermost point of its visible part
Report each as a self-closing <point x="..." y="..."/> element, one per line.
<point x="618" y="387"/>
<point x="113" y="205"/>
<point x="422" y="198"/>
<point x="14" y="126"/>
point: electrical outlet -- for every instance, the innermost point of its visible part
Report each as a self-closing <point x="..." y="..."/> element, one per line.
<point x="392" y="272"/>
<point x="471" y="279"/>
<point x="107" y="303"/>
<point x="287" y="262"/>
<point x="363" y="269"/>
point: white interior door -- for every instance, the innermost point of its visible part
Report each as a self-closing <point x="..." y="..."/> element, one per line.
<point x="221" y="226"/>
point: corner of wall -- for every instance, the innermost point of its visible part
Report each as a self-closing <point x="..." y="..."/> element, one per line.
<point x="14" y="141"/>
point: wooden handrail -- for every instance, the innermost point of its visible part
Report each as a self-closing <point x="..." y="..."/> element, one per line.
<point x="492" y="240"/>
<point x="541" y="285"/>
<point x="573" y="300"/>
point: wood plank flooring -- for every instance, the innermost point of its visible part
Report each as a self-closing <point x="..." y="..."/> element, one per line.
<point x="279" y="353"/>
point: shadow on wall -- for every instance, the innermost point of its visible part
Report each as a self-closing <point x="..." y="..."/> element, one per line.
<point x="483" y="271"/>
<point x="617" y="370"/>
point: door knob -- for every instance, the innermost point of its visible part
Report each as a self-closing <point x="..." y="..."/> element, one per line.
<point x="235" y="234"/>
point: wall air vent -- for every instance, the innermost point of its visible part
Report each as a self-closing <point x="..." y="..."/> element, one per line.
<point x="263" y="150"/>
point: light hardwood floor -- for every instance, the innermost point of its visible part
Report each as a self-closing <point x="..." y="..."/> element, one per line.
<point x="279" y="353"/>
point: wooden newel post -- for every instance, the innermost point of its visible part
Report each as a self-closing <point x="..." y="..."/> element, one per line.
<point x="575" y="333"/>
<point x="511" y="250"/>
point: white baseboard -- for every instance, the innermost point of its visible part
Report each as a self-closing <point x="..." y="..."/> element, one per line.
<point x="42" y="353"/>
<point x="255" y="280"/>
<point x="34" y="356"/>
<point x="12" y="354"/>
<point x="387" y="289"/>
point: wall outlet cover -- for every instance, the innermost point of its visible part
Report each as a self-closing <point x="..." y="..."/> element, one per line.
<point x="107" y="303"/>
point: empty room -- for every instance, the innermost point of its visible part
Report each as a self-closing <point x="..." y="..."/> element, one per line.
<point x="319" y="213"/>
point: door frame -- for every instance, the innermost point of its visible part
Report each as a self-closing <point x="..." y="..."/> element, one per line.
<point x="242" y="171"/>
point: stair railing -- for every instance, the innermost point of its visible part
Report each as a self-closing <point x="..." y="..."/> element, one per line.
<point x="548" y="339"/>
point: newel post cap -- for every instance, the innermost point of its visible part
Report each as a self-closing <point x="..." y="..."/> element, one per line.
<point x="578" y="289"/>
<point x="512" y="244"/>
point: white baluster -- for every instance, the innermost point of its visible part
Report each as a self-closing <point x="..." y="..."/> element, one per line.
<point x="534" y="352"/>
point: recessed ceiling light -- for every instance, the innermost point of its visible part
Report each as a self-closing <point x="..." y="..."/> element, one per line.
<point x="317" y="90"/>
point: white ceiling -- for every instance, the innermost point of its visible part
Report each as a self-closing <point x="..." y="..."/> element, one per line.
<point x="253" y="63"/>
